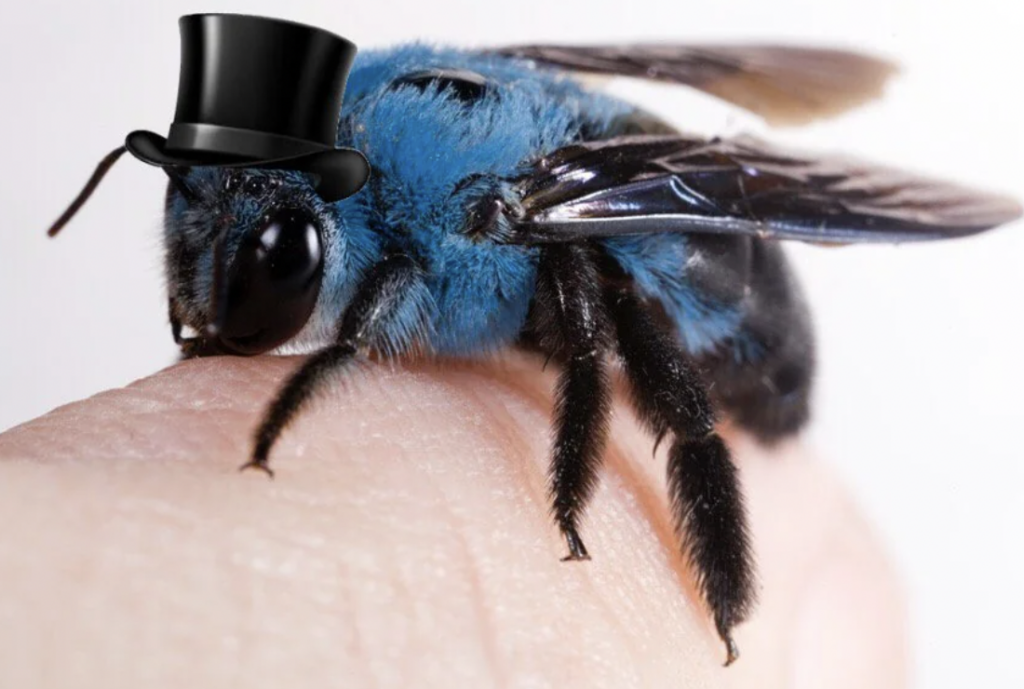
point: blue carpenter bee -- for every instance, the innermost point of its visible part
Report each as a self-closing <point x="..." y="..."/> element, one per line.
<point x="510" y="206"/>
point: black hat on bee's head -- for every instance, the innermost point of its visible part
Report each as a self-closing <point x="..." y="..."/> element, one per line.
<point x="259" y="92"/>
<point x="253" y="92"/>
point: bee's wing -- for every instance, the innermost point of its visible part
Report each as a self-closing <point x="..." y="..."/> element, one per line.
<point x="783" y="84"/>
<point x="648" y="184"/>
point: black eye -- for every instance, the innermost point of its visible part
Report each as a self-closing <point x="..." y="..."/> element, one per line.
<point x="289" y="249"/>
<point x="274" y="283"/>
<point x="467" y="86"/>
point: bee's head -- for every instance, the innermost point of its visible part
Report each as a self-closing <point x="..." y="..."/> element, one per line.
<point x="245" y="256"/>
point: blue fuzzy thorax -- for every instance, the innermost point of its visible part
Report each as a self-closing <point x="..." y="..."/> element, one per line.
<point x="432" y="158"/>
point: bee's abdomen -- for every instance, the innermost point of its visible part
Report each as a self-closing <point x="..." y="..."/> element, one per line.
<point x="762" y="376"/>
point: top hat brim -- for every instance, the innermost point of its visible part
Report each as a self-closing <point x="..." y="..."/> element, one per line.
<point x="340" y="172"/>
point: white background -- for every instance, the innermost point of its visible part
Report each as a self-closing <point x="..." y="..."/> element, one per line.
<point x="919" y="403"/>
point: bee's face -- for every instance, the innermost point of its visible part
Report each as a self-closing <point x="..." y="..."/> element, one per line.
<point x="245" y="256"/>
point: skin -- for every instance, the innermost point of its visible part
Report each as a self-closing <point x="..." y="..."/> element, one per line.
<point x="405" y="542"/>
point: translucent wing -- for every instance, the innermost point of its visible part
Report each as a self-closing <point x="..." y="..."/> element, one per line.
<point x="783" y="84"/>
<point x="646" y="184"/>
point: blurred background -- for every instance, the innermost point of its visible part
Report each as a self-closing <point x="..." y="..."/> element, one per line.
<point x="919" y="399"/>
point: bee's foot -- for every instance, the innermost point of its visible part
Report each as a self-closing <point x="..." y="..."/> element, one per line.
<point x="732" y="652"/>
<point x="577" y="551"/>
<point x="259" y="464"/>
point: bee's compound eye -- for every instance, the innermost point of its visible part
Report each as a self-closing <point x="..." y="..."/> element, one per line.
<point x="274" y="283"/>
<point x="289" y="249"/>
<point x="467" y="86"/>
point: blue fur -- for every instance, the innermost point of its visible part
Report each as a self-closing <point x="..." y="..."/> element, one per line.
<point x="431" y="158"/>
<point x="423" y="144"/>
<point x="657" y="264"/>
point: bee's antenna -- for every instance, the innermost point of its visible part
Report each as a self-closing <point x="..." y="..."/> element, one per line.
<point x="90" y="186"/>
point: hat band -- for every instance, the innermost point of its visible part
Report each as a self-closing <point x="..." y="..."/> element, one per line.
<point x="235" y="141"/>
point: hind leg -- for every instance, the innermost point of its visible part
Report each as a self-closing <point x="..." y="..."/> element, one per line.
<point x="703" y="483"/>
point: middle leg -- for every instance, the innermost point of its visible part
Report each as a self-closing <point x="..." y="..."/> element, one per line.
<point x="570" y="324"/>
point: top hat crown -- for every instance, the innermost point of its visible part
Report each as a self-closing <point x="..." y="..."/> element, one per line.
<point x="259" y="92"/>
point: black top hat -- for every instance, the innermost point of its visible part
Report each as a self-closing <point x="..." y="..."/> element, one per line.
<point x="259" y="92"/>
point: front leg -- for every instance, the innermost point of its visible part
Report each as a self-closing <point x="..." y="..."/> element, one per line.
<point x="379" y="315"/>
<point x="703" y="482"/>
<point x="570" y="322"/>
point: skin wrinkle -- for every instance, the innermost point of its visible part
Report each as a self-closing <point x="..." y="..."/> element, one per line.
<point x="404" y="586"/>
<point x="614" y="461"/>
<point x="325" y="576"/>
<point x="643" y="497"/>
<point x="51" y="426"/>
<point x="610" y="613"/>
<point x="541" y="402"/>
<point x="358" y="648"/>
<point x="536" y="400"/>
<point x="512" y="440"/>
<point x="537" y="397"/>
<point x="273" y="535"/>
<point x="606" y="606"/>
<point x="494" y="426"/>
<point x="617" y="465"/>
<point x="801" y="541"/>
<point x="404" y="592"/>
<point x="458" y="524"/>
<point x="511" y="433"/>
<point x="537" y="478"/>
<point x="505" y="428"/>
<point x="348" y="564"/>
<point x="654" y="506"/>
<point x="485" y="622"/>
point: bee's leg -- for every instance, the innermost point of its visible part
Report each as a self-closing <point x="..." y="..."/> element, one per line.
<point x="380" y="304"/>
<point x="570" y="323"/>
<point x="703" y="482"/>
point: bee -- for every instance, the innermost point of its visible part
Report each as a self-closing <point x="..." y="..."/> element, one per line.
<point x="509" y="205"/>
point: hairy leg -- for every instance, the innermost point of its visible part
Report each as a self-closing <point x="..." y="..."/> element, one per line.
<point x="374" y="310"/>
<point x="569" y="321"/>
<point x="703" y="483"/>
